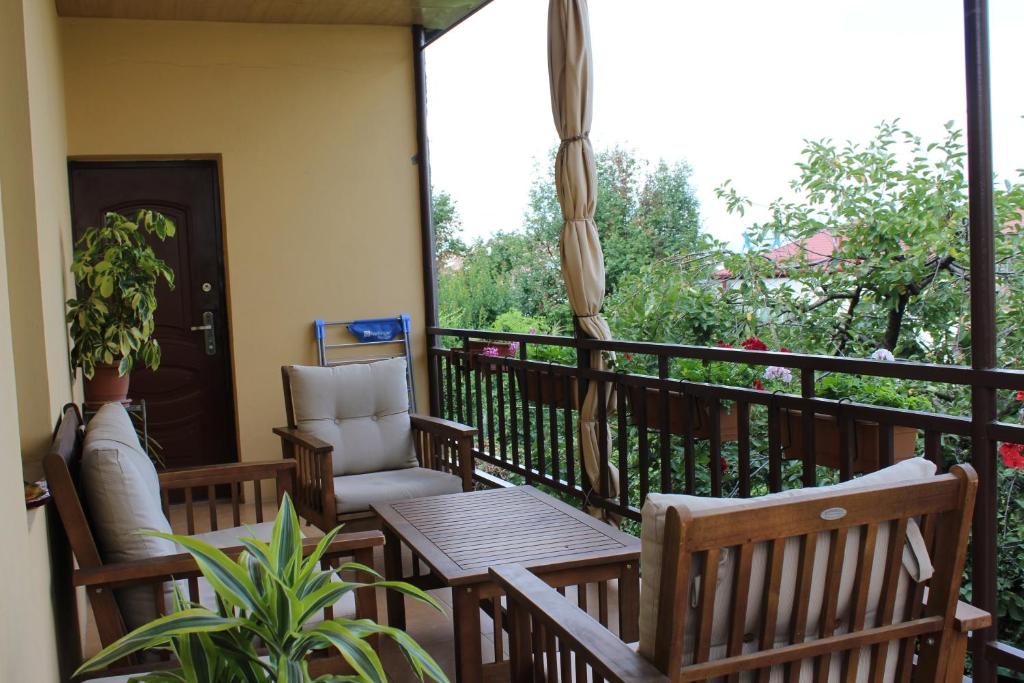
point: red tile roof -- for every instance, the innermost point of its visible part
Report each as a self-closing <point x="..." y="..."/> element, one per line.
<point x="818" y="248"/>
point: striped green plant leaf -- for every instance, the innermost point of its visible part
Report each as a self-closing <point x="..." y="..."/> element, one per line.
<point x="292" y="672"/>
<point x="229" y="579"/>
<point x="286" y="541"/>
<point x="328" y="595"/>
<point x="359" y="567"/>
<point x="356" y="651"/>
<point x="411" y="591"/>
<point x="309" y="564"/>
<point x="420" y="661"/>
<point x="314" y="583"/>
<point x="159" y="632"/>
<point x="159" y="677"/>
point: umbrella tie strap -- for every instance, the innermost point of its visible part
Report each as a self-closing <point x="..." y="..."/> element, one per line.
<point x="575" y="138"/>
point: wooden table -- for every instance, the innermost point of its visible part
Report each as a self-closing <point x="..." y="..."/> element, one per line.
<point x="458" y="536"/>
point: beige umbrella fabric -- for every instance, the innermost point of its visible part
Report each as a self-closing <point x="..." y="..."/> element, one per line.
<point x="570" y="65"/>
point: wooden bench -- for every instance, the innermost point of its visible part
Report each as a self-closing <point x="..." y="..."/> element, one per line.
<point x="912" y="630"/>
<point x="62" y="466"/>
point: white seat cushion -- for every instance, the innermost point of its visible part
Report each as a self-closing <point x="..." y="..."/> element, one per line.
<point x="917" y="566"/>
<point x="355" y="493"/>
<point x="122" y="490"/>
<point x="361" y="409"/>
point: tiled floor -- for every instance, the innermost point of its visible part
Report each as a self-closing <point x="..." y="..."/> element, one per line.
<point x="430" y="628"/>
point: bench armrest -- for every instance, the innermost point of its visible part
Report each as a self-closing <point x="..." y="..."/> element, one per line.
<point x="231" y="473"/>
<point x="970" y="618"/>
<point x="183" y="565"/>
<point x="441" y="427"/>
<point x="304" y="439"/>
<point x="579" y="633"/>
<point x="457" y="437"/>
<point x="314" y="492"/>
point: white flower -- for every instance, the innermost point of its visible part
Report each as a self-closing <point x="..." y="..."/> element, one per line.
<point x="883" y="354"/>
<point x="776" y="372"/>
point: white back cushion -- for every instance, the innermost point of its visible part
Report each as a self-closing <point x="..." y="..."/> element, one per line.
<point x="361" y="409"/>
<point x="916" y="565"/>
<point x="122" y="490"/>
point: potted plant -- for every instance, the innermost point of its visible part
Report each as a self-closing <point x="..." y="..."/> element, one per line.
<point x="880" y="391"/>
<point x="111" y="319"/>
<point x="491" y="349"/>
<point x="266" y="598"/>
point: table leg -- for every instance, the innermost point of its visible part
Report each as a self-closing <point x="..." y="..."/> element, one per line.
<point x="468" y="656"/>
<point x="629" y="602"/>
<point x="393" y="572"/>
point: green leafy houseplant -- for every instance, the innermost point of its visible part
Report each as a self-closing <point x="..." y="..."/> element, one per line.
<point x="267" y="596"/>
<point x="116" y="272"/>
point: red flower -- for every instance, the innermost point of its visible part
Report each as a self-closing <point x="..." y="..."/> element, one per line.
<point x="628" y="355"/>
<point x="723" y="345"/>
<point x="723" y="463"/>
<point x="754" y="344"/>
<point x="783" y="349"/>
<point x="1012" y="455"/>
<point x="759" y="385"/>
<point x="1020" y="395"/>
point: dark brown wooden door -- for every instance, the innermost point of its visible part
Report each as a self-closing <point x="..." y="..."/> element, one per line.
<point x="189" y="399"/>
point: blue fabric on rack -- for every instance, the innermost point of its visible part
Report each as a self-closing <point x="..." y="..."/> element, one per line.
<point x="375" y="330"/>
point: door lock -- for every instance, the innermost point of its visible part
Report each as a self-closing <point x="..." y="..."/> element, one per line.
<point x="209" y="333"/>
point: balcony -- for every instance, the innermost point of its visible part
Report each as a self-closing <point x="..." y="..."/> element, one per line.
<point x="704" y="439"/>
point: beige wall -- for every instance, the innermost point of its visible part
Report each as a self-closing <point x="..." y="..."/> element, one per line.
<point x="34" y="380"/>
<point x="316" y="128"/>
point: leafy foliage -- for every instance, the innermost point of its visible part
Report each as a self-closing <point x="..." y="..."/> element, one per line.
<point x="112" y="319"/>
<point x="268" y="596"/>
<point x="895" y="275"/>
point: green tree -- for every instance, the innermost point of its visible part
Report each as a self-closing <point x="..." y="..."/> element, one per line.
<point x="447" y="227"/>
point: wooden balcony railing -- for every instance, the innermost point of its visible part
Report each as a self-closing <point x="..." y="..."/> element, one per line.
<point x="675" y="436"/>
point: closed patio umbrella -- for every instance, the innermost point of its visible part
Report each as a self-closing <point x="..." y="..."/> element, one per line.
<point x="570" y="66"/>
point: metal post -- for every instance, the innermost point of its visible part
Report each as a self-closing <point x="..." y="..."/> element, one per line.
<point x="983" y="323"/>
<point x="426" y="211"/>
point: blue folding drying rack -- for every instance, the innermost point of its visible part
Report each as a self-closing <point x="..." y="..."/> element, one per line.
<point x="324" y="347"/>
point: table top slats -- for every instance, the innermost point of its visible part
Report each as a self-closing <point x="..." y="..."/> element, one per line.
<point x="462" y="534"/>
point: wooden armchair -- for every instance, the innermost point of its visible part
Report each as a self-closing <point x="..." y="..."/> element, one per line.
<point x="104" y="582"/>
<point x="355" y="443"/>
<point x="822" y="585"/>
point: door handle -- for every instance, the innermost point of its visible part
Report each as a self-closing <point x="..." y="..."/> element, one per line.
<point x="209" y="333"/>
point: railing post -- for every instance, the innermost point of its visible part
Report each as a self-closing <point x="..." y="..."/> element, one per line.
<point x="984" y="560"/>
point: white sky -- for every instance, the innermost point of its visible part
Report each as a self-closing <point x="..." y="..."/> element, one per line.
<point x="731" y="86"/>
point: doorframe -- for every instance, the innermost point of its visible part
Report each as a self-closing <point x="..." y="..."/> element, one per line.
<point x="222" y="235"/>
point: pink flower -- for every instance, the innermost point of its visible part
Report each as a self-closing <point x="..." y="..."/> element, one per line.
<point x="754" y="344"/>
<point x="490" y="351"/>
<point x="1020" y="395"/>
<point x="776" y="372"/>
<point x="1012" y="455"/>
<point x="513" y="348"/>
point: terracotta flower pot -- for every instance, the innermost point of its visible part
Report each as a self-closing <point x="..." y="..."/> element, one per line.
<point x="826" y="442"/>
<point x="728" y="425"/>
<point x="106" y="386"/>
